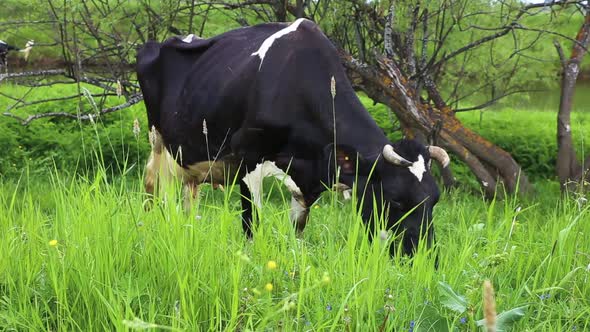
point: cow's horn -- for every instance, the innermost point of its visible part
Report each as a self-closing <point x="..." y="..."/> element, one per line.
<point x="391" y="156"/>
<point x="439" y="154"/>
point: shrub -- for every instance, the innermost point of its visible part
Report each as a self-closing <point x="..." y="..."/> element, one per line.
<point x="67" y="144"/>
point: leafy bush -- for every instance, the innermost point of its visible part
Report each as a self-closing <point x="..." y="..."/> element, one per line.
<point x="67" y="144"/>
<point x="530" y="136"/>
<point x="70" y="146"/>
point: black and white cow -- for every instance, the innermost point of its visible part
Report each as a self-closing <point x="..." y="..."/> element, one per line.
<point x="4" y="49"/>
<point x="277" y="92"/>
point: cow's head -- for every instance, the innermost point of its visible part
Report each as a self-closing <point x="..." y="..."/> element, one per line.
<point x="405" y="192"/>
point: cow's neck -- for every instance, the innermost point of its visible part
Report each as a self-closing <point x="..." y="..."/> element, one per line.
<point x="356" y="128"/>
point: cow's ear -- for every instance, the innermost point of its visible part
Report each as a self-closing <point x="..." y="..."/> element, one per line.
<point x="346" y="158"/>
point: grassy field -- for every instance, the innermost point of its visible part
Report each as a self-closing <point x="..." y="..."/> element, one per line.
<point x="81" y="253"/>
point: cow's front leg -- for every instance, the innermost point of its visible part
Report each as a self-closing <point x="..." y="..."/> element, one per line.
<point x="246" y="209"/>
<point x="300" y="210"/>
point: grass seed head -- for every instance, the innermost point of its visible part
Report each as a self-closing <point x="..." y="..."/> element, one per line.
<point x="333" y="87"/>
<point x="489" y="306"/>
<point x="136" y="128"/>
<point x="119" y="88"/>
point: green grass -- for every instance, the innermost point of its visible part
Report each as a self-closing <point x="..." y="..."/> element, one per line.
<point x="530" y="136"/>
<point x="117" y="266"/>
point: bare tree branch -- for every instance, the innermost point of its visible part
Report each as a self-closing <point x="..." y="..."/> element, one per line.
<point x="80" y="117"/>
<point x="48" y="72"/>
<point x="494" y="100"/>
<point x="388" y="31"/>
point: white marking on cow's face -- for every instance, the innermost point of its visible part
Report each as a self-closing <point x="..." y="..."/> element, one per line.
<point x="418" y="168"/>
<point x="188" y="38"/>
<point x="485" y="184"/>
<point x="267" y="43"/>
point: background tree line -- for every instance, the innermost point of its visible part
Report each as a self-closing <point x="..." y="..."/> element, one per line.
<point x="426" y="61"/>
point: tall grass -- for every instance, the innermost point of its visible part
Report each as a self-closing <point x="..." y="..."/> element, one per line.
<point x="83" y="254"/>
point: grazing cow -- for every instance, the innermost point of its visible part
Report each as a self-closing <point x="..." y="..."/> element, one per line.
<point x="277" y="92"/>
<point x="4" y="49"/>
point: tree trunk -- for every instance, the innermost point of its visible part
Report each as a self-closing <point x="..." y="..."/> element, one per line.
<point x="493" y="167"/>
<point x="570" y="172"/>
<point x="299" y="8"/>
<point x="281" y="10"/>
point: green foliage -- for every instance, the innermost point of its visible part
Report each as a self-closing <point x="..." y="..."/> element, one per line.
<point x="86" y="255"/>
<point x="384" y="118"/>
<point x="530" y="136"/>
<point x="66" y="144"/>
<point x="450" y="299"/>
<point x="506" y="319"/>
<point x="534" y="146"/>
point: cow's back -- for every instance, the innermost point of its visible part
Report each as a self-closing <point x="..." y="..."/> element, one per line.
<point x="223" y="81"/>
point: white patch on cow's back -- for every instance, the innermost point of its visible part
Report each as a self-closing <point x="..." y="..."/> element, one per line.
<point x="267" y="43"/>
<point x="418" y="168"/>
<point x="188" y="38"/>
<point x="268" y="168"/>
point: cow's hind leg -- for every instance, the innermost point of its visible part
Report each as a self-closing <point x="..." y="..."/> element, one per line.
<point x="159" y="161"/>
<point x="152" y="169"/>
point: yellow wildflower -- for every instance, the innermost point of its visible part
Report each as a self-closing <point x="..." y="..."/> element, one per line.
<point x="268" y="287"/>
<point x="53" y="243"/>
<point x="271" y="265"/>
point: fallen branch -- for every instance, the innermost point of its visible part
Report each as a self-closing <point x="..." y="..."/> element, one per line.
<point x="49" y="72"/>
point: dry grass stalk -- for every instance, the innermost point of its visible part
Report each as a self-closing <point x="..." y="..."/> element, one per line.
<point x="489" y="306"/>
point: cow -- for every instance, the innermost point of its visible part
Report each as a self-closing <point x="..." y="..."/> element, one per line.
<point x="4" y="49"/>
<point x="277" y="92"/>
